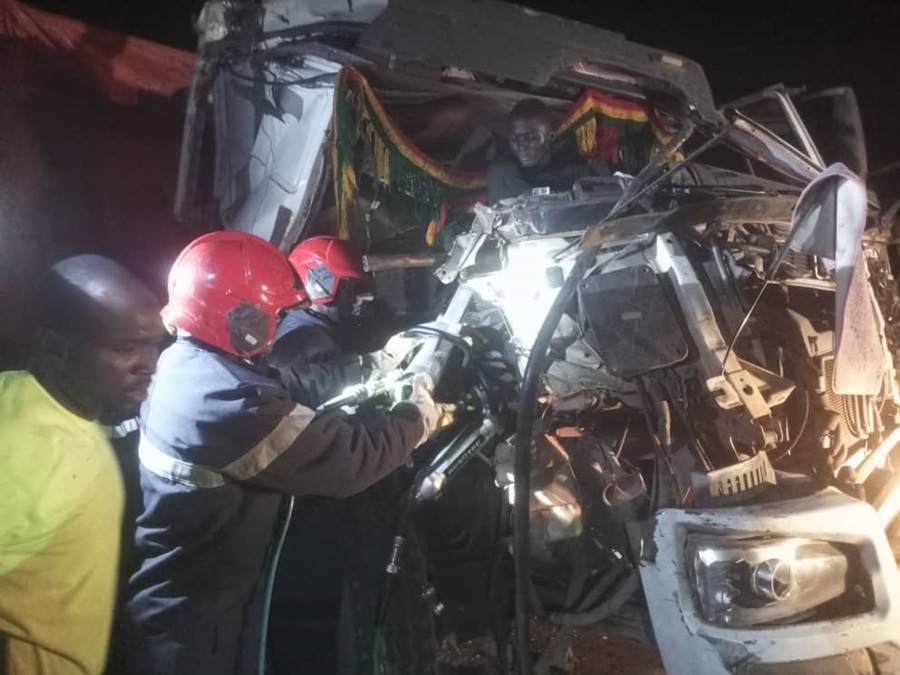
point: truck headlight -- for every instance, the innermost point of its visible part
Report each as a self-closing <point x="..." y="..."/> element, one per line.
<point x="746" y="582"/>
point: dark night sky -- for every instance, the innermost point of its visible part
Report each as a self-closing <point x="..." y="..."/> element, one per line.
<point x="743" y="46"/>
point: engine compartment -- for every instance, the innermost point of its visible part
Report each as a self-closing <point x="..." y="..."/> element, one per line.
<point x="679" y="376"/>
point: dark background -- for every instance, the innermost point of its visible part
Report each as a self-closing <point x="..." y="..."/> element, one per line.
<point x="743" y="46"/>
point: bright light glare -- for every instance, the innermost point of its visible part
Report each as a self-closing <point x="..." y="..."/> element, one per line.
<point x="521" y="290"/>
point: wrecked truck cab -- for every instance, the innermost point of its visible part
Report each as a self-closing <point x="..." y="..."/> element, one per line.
<point x="271" y="70"/>
<point x="706" y="472"/>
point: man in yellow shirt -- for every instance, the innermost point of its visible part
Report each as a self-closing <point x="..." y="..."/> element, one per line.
<point x="96" y="347"/>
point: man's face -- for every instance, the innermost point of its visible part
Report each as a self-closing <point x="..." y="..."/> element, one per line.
<point x="529" y="140"/>
<point x="116" y="361"/>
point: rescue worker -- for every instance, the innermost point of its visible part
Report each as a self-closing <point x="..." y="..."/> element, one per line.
<point x="221" y="445"/>
<point x="533" y="163"/>
<point x="318" y="349"/>
<point x="313" y="347"/>
<point x="96" y="345"/>
<point x="315" y="352"/>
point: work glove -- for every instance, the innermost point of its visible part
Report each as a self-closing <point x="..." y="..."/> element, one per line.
<point x="380" y="363"/>
<point x="435" y="416"/>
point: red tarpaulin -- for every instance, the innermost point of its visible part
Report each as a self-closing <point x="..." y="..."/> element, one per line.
<point x="90" y="126"/>
<point x="122" y="66"/>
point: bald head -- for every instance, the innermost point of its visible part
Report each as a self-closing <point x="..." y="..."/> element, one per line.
<point x="98" y="331"/>
<point x="78" y="295"/>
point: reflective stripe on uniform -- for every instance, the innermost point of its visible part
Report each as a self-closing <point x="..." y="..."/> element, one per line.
<point x="270" y="448"/>
<point x="156" y="461"/>
<point x="249" y="465"/>
<point x="123" y="429"/>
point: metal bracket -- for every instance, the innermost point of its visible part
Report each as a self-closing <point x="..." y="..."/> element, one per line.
<point x="462" y="255"/>
<point x="754" y="387"/>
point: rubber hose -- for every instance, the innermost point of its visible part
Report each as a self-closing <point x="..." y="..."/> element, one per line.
<point x="496" y="581"/>
<point x="522" y="472"/>
<point x="402" y="524"/>
<point x="270" y="583"/>
<point x="590" y="599"/>
<point x="455" y="340"/>
<point x="580" y="576"/>
<point x="605" y="609"/>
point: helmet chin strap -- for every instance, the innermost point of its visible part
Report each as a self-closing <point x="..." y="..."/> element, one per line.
<point x="328" y="310"/>
<point x="331" y="311"/>
<point x="346" y="304"/>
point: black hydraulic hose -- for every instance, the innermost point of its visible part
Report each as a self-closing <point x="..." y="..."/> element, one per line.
<point x="606" y="608"/>
<point x="581" y="574"/>
<point x="398" y="542"/>
<point x="594" y="595"/>
<point x="522" y="486"/>
<point x="497" y="581"/>
<point x="455" y="340"/>
<point x="522" y="472"/>
<point x="528" y="397"/>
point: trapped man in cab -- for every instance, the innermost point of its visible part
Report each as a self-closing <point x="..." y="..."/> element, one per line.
<point x="533" y="163"/>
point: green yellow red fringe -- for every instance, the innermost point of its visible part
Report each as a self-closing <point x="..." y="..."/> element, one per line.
<point x="623" y="133"/>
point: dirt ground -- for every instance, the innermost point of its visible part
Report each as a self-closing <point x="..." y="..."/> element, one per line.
<point x="574" y="652"/>
<point x="612" y="655"/>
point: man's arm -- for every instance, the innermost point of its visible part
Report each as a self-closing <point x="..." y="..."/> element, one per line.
<point x="330" y="455"/>
<point x="339" y="455"/>
<point x="313" y="367"/>
<point x="258" y="437"/>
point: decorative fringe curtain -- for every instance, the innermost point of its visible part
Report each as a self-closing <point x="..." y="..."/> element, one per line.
<point x="623" y="133"/>
<point x="361" y="123"/>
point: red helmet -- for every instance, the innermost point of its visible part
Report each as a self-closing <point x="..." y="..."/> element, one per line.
<point x="322" y="262"/>
<point x="226" y="289"/>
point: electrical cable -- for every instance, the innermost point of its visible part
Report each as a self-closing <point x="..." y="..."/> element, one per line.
<point x="796" y="440"/>
<point x="627" y="200"/>
<point x="743" y="324"/>
<point x="768" y="279"/>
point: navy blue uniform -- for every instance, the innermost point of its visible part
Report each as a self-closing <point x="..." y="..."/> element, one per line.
<point x="315" y="363"/>
<point x="313" y="355"/>
<point x="221" y="443"/>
